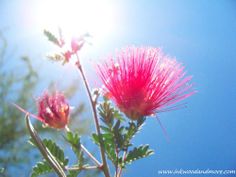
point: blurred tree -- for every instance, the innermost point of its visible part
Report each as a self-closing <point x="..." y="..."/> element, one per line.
<point x="18" y="86"/>
<point x="12" y="131"/>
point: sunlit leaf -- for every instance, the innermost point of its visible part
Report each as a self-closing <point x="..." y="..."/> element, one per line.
<point x="56" y="57"/>
<point x="51" y="37"/>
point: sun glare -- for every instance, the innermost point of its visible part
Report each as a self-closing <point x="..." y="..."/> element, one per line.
<point x="77" y="17"/>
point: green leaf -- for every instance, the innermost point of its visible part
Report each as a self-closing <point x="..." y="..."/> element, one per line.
<point x="56" y="151"/>
<point x="106" y="129"/>
<point x="73" y="173"/>
<point x="110" y="151"/>
<point x="131" y="131"/>
<point x="41" y="168"/>
<point x="74" y="141"/>
<point x="105" y="113"/>
<point x="138" y="153"/>
<point x="108" y="113"/>
<point x="108" y="145"/>
<point x="118" y="134"/>
<point x="117" y="114"/>
<point x="51" y="37"/>
<point x="95" y="138"/>
<point x="56" y="57"/>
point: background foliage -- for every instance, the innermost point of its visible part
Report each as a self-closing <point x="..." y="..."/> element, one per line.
<point x="18" y="86"/>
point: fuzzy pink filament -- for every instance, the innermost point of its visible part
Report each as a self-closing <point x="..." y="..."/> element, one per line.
<point x="142" y="81"/>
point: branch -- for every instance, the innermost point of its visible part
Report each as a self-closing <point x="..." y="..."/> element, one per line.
<point x="75" y="168"/>
<point x="96" y="121"/>
<point x="46" y="154"/>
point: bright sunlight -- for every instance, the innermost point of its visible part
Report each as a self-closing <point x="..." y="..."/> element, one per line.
<point x="77" y="17"/>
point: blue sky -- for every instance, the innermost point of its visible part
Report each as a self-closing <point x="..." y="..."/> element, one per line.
<point x="200" y="34"/>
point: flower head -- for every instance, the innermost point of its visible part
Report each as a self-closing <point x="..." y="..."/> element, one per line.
<point x="143" y="81"/>
<point x="53" y="110"/>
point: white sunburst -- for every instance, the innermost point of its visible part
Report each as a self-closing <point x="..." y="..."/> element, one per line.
<point x="77" y="17"/>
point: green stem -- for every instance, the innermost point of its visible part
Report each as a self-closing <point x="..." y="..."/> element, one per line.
<point x="116" y="165"/>
<point x="75" y="168"/>
<point x="87" y="151"/>
<point x="123" y="159"/>
<point x="96" y="121"/>
<point x="46" y="154"/>
<point x="91" y="156"/>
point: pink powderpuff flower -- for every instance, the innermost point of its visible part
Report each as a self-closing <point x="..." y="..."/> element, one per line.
<point x="142" y="81"/>
<point x="53" y="110"/>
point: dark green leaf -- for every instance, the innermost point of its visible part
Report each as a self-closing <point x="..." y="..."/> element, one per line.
<point x="131" y="131"/>
<point x="108" y="113"/>
<point x="56" y="151"/>
<point x="74" y="141"/>
<point x="108" y="144"/>
<point x="73" y="173"/>
<point x="118" y="134"/>
<point x="105" y="129"/>
<point x="110" y="151"/>
<point x="137" y="153"/>
<point x="95" y="138"/>
<point x="41" y="168"/>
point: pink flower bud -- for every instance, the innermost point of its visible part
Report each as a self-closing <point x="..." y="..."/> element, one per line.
<point x="53" y="110"/>
<point x="67" y="55"/>
<point x="76" y="44"/>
